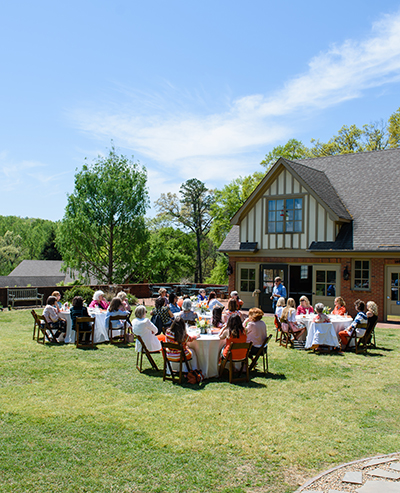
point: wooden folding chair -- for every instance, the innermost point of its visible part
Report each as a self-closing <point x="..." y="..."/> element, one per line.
<point x="278" y="327"/>
<point x="262" y="351"/>
<point x="244" y="362"/>
<point x="363" y="342"/>
<point x="81" y="329"/>
<point x="167" y="362"/>
<point x="148" y="354"/>
<point x="36" y="325"/>
<point x="354" y="339"/>
<point x="48" y="332"/>
<point x="120" y="339"/>
<point x="285" y="337"/>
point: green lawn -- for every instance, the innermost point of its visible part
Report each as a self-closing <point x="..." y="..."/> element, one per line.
<point x="87" y="421"/>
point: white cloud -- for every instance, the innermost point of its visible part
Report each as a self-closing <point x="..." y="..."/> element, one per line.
<point x="216" y="144"/>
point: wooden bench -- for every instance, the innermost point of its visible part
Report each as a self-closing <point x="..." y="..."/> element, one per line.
<point x="23" y="294"/>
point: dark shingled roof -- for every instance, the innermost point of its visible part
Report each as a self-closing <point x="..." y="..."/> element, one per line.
<point x="368" y="184"/>
<point x="364" y="187"/>
<point x="231" y="242"/>
<point x="319" y="182"/>
<point x="24" y="281"/>
<point x="344" y="240"/>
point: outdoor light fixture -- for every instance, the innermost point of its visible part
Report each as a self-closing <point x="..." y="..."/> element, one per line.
<point x="346" y="274"/>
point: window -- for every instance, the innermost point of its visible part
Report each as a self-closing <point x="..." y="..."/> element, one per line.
<point x="304" y="272"/>
<point x="285" y="215"/>
<point x="247" y="280"/>
<point x="361" y="274"/>
<point x="325" y="283"/>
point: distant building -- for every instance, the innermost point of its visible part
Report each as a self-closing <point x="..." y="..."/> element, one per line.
<point x="39" y="273"/>
<point x="327" y="226"/>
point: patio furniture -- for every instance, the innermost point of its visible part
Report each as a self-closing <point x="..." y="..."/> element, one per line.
<point x="23" y="294"/>
<point x="173" y="374"/>
<point x="120" y="338"/>
<point x="262" y="352"/>
<point x="244" y="363"/>
<point x="148" y="354"/>
<point x="81" y="329"/>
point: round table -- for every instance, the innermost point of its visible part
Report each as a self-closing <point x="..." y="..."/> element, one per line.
<point x="339" y="323"/>
<point x="100" y="329"/>
<point x="207" y="348"/>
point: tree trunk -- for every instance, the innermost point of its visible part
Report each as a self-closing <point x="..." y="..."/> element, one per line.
<point x="110" y="256"/>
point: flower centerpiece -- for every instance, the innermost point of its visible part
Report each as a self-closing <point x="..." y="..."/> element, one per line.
<point x="327" y="310"/>
<point x="203" y="325"/>
<point x="193" y="299"/>
<point x="203" y="307"/>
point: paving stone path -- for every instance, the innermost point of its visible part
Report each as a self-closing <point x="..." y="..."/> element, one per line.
<point x="373" y="475"/>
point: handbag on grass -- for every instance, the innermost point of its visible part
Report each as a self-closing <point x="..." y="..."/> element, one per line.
<point x="129" y="336"/>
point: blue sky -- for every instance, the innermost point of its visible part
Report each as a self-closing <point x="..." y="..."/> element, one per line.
<point x="189" y="88"/>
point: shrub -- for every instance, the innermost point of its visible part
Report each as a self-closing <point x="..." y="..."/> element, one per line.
<point x="132" y="300"/>
<point x="84" y="291"/>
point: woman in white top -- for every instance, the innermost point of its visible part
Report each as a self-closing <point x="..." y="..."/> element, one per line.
<point x="143" y="327"/>
<point x="212" y="301"/>
<point x="289" y="317"/>
<point x="280" y="305"/>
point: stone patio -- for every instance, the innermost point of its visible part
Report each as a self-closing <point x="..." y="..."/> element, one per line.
<point x="372" y="475"/>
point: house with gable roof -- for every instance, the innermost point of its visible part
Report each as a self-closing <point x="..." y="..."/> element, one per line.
<point x="327" y="226"/>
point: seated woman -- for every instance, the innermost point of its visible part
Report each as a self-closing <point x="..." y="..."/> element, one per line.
<point x="187" y="314"/>
<point x="233" y="331"/>
<point x="163" y="311"/>
<point x="235" y="296"/>
<point x="288" y="318"/>
<point x="217" y="317"/>
<point x="50" y="313"/>
<point x="173" y="305"/>
<point x="304" y="308"/>
<point x="340" y="307"/>
<point x="321" y="317"/>
<point x="124" y="298"/>
<point x="164" y="294"/>
<point x="177" y="334"/>
<point x="57" y="295"/>
<point x="212" y="301"/>
<point x="202" y="296"/>
<point x="141" y="326"/>
<point x="256" y="329"/>
<point x="116" y="308"/>
<point x="232" y="310"/>
<point x="372" y="309"/>
<point x="78" y="310"/>
<point x="360" y="319"/>
<point x="280" y="305"/>
<point x="99" y="301"/>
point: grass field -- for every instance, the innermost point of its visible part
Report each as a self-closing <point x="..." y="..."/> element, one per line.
<point x="86" y="420"/>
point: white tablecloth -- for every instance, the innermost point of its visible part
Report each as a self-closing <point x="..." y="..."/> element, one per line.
<point x="100" y="330"/>
<point x="339" y="323"/>
<point x="207" y="348"/>
<point x="323" y="334"/>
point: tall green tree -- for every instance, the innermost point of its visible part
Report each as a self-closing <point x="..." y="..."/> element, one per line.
<point x="103" y="226"/>
<point x="394" y="129"/>
<point x="293" y="149"/>
<point x="11" y="250"/>
<point x="191" y="211"/>
<point x="228" y="201"/>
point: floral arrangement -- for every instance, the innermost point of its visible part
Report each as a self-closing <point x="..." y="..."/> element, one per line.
<point x="203" y="307"/>
<point x="203" y="325"/>
<point x="193" y="299"/>
<point x="327" y="310"/>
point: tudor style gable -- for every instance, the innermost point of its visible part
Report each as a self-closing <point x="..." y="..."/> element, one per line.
<point x="293" y="207"/>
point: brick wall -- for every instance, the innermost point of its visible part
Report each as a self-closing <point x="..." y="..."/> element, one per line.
<point x="376" y="293"/>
